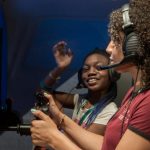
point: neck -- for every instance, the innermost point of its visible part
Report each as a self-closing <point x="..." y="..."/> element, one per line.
<point x="94" y="97"/>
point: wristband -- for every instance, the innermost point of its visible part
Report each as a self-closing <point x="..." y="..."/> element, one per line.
<point x="61" y="121"/>
<point x="52" y="77"/>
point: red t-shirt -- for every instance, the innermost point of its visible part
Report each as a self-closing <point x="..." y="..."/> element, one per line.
<point x="134" y="116"/>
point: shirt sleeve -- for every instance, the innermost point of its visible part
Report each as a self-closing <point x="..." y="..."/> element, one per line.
<point x="106" y="114"/>
<point x="140" y="120"/>
<point x="76" y="98"/>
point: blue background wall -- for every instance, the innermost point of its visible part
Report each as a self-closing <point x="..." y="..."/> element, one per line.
<point x="3" y="58"/>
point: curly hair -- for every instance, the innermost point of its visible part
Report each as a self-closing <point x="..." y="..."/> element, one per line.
<point x="140" y="16"/>
<point x="115" y="25"/>
<point x="139" y="12"/>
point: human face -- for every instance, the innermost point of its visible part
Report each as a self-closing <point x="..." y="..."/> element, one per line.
<point x="115" y="51"/>
<point x="94" y="79"/>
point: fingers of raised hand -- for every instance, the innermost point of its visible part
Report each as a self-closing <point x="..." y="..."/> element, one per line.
<point x="61" y="48"/>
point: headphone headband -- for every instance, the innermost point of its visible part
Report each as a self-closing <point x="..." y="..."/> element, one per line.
<point x="131" y="43"/>
<point x="126" y="20"/>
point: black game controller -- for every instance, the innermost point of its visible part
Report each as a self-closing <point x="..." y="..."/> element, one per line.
<point x="42" y="102"/>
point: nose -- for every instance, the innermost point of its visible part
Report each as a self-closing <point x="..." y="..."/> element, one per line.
<point x="92" y="71"/>
<point x="110" y="47"/>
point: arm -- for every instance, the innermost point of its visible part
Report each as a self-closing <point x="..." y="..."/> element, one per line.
<point x="83" y="138"/>
<point x="63" y="59"/>
<point x="131" y="140"/>
<point x="97" y="128"/>
<point x="67" y="144"/>
<point x="64" y="99"/>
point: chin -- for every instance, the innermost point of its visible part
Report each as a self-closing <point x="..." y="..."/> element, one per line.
<point x="93" y="88"/>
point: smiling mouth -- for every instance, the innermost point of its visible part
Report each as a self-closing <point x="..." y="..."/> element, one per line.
<point x="92" y="81"/>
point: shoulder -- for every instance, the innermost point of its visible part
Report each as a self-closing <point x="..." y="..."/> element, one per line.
<point x="76" y="98"/>
<point x="111" y="107"/>
<point x="140" y="110"/>
<point x="142" y="100"/>
<point x="105" y="115"/>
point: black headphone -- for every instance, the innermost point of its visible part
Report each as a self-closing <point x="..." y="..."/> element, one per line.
<point x="114" y="76"/>
<point x="131" y="43"/>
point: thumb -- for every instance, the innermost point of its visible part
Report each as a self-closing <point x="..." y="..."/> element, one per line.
<point x="53" y="108"/>
<point x="39" y="114"/>
<point x="50" y="98"/>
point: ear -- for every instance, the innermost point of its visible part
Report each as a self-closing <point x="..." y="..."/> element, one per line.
<point x="80" y="83"/>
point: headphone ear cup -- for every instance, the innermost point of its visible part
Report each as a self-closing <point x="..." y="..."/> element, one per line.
<point x="130" y="44"/>
<point x="114" y="76"/>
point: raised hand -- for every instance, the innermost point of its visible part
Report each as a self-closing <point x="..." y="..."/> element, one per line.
<point x="62" y="54"/>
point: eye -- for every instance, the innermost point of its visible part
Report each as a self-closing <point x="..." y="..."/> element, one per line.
<point x="85" y="68"/>
<point x="98" y="67"/>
